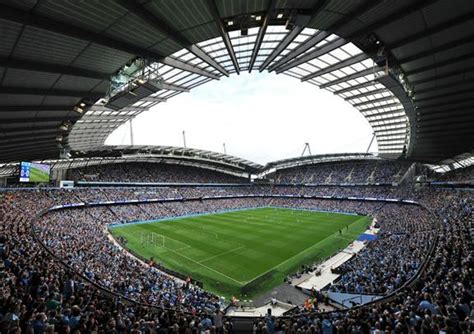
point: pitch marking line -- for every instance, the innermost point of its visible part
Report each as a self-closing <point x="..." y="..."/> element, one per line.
<point x="245" y="282"/>
<point x="180" y="242"/>
<point x="276" y="266"/>
<point x="209" y="268"/>
<point x="180" y="249"/>
<point x="226" y="252"/>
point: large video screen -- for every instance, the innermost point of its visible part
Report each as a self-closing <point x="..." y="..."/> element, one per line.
<point x="34" y="172"/>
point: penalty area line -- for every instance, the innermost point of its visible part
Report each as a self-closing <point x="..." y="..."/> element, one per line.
<point x="226" y="252"/>
<point x="203" y="265"/>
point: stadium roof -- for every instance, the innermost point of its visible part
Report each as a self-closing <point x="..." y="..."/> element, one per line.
<point x="405" y="65"/>
<point x="171" y="152"/>
<point x="152" y="154"/>
<point x="319" y="158"/>
<point x="460" y="161"/>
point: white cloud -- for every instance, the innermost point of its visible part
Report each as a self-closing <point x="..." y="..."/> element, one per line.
<point x="260" y="116"/>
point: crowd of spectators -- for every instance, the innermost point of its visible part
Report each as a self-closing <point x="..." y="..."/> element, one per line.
<point x="80" y="237"/>
<point x="40" y="295"/>
<point x="363" y="171"/>
<point x="458" y="175"/>
<point x="439" y="301"/>
<point x="151" y="172"/>
<point x="405" y="236"/>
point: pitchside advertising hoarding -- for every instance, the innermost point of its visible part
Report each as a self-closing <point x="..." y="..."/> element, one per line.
<point x="34" y="172"/>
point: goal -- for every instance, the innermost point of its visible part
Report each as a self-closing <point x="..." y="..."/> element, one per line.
<point x="153" y="239"/>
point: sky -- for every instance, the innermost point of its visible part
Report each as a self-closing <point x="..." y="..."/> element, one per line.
<point x="260" y="117"/>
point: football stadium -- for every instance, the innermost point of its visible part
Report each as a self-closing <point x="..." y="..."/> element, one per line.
<point x="106" y="238"/>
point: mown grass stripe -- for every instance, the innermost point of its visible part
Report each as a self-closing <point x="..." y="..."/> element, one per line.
<point x="239" y="246"/>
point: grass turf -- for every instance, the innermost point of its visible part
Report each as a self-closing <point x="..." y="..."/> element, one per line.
<point x="243" y="253"/>
<point x="37" y="175"/>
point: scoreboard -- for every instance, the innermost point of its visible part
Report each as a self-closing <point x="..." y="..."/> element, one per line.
<point x="34" y="172"/>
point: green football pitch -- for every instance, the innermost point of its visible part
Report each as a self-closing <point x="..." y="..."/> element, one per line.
<point x="37" y="175"/>
<point x="243" y="253"/>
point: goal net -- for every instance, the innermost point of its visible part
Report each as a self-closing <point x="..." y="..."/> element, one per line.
<point x="152" y="239"/>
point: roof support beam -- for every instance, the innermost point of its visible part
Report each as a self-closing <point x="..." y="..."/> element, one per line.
<point x="388" y="146"/>
<point x="401" y="135"/>
<point x="440" y="64"/>
<point x="392" y="141"/>
<point x="349" y="61"/>
<point x="355" y="87"/>
<point x="27" y="134"/>
<point x="431" y="52"/>
<point x="224" y="34"/>
<point x="431" y="136"/>
<point x="400" y="131"/>
<point x="454" y="85"/>
<point x="176" y="63"/>
<point x="395" y="104"/>
<point x="390" y="112"/>
<point x="27" y="18"/>
<point x="45" y="91"/>
<point x="448" y="103"/>
<point x="261" y="33"/>
<point x="159" y="24"/>
<point x="97" y="107"/>
<point x="469" y="105"/>
<point x="111" y="118"/>
<point x="366" y="94"/>
<point x="385" y="21"/>
<point x="282" y="46"/>
<point x="303" y="47"/>
<point x="451" y="144"/>
<point x="30" y="127"/>
<point x="301" y="22"/>
<point x="431" y="31"/>
<point x="29" y="142"/>
<point x="328" y="47"/>
<point x="153" y="99"/>
<point x="309" y="43"/>
<point x="397" y="130"/>
<point x="37" y="120"/>
<point x="28" y="147"/>
<point x="363" y="73"/>
<point x="385" y="119"/>
<point x="441" y="131"/>
<point x="437" y="96"/>
<point x="444" y="75"/>
<point x="31" y="154"/>
<point x="29" y="65"/>
<point x="395" y="140"/>
<point x="443" y="121"/>
<point x="381" y="99"/>
<point x="389" y="124"/>
<point x="26" y="137"/>
<point x="176" y="88"/>
<point x="26" y="108"/>
<point x="452" y="112"/>
<point x="447" y="126"/>
<point x="443" y="127"/>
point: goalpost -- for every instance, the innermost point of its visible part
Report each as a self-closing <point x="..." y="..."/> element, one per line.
<point x="155" y="239"/>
